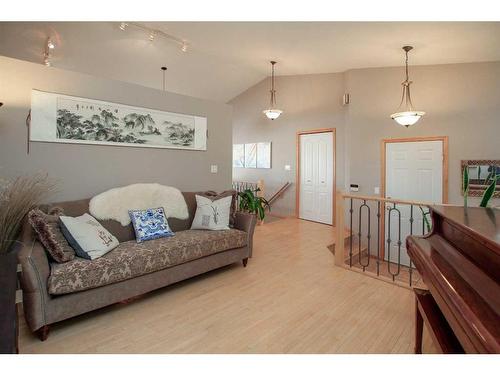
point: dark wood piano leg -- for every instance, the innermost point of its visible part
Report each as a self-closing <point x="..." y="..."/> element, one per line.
<point x="419" y="328"/>
<point x="245" y="261"/>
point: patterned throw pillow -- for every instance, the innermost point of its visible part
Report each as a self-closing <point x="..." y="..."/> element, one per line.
<point x="212" y="215"/>
<point x="49" y="233"/>
<point x="212" y="195"/>
<point x="150" y="224"/>
<point x="87" y="236"/>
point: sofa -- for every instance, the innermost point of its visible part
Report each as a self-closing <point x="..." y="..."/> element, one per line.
<point x="53" y="292"/>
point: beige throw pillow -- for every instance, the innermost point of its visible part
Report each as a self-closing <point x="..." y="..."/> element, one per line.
<point x="87" y="236"/>
<point x="212" y="215"/>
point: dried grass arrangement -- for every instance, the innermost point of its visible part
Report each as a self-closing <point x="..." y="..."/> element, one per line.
<point x="17" y="197"/>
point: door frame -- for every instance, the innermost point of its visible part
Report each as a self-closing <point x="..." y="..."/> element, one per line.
<point x="383" y="143"/>
<point x="297" y="175"/>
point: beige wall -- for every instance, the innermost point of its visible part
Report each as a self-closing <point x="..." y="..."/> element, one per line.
<point x="462" y="101"/>
<point x="84" y="170"/>
<point x="309" y="102"/>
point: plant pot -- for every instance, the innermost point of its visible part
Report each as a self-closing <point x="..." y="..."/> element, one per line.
<point x="8" y="286"/>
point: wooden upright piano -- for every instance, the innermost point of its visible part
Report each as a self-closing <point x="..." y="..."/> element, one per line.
<point x="460" y="264"/>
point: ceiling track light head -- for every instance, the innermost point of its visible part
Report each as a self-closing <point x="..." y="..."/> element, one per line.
<point x="50" y="44"/>
<point x="123" y="26"/>
<point x="184" y="47"/>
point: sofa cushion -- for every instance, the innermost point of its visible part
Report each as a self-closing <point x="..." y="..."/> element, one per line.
<point x="87" y="236"/>
<point x="131" y="259"/>
<point x="48" y="229"/>
<point x="212" y="215"/>
<point x="150" y="224"/>
<point x="212" y="195"/>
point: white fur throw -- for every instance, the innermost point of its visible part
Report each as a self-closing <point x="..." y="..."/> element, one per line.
<point x="115" y="203"/>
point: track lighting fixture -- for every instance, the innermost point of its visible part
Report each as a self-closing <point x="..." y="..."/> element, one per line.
<point x="164" y="70"/>
<point x="153" y="34"/>
<point x="46" y="61"/>
<point x="49" y="46"/>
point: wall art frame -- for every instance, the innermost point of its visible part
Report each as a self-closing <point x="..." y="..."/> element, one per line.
<point x="61" y="118"/>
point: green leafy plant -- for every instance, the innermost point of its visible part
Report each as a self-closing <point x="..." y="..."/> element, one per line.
<point x="465" y="184"/>
<point x="254" y="204"/>
<point x="491" y="181"/>
<point x="425" y="218"/>
<point x="490" y="190"/>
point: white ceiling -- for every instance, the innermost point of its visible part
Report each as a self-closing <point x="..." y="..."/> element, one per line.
<point x="224" y="59"/>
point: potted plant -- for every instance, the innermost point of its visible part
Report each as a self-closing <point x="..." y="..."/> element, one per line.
<point x="17" y="197"/>
<point x="490" y="181"/>
<point x="252" y="203"/>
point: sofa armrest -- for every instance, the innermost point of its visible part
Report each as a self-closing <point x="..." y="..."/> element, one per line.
<point x="35" y="271"/>
<point x="246" y="222"/>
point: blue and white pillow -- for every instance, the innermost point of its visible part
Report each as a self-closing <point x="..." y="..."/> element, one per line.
<point x="150" y="224"/>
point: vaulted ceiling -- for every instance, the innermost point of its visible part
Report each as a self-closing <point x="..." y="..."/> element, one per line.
<point x="226" y="58"/>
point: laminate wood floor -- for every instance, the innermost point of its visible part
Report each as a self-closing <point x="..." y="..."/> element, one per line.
<point x="289" y="299"/>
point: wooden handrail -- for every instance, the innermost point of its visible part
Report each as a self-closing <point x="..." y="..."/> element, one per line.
<point x="390" y="200"/>
<point x="280" y="191"/>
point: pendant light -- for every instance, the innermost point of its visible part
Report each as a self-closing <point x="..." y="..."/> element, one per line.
<point x="164" y="70"/>
<point x="272" y="113"/>
<point x="407" y="115"/>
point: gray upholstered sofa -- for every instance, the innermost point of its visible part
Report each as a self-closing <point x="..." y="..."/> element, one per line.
<point x="53" y="292"/>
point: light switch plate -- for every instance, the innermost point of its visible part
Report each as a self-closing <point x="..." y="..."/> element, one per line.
<point x="214" y="169"/>
<point x="376" y="190"/>
<point x="288" y="168"/>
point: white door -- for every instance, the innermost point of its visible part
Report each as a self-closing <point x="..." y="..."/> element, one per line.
<point x="316" y="177"/>
<point x="414" y="171"/>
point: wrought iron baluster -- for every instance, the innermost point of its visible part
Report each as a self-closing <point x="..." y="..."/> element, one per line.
<point x="378" y="238"/>
<point x="350" y="235"/>
<point x="360" y="234"/>
<point x="389" y="240"/>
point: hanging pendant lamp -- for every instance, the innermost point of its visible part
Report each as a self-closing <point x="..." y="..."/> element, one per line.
<point x="407" y="115"/>
<point x="273" y="113"/>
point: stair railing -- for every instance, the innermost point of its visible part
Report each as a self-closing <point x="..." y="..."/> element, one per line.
<point x="371" y="233"/>
<point x="279" y="193"/>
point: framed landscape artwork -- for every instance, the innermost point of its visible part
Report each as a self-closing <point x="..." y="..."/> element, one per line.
<point x="70" y="119"/>
<point x="252" y="155"/>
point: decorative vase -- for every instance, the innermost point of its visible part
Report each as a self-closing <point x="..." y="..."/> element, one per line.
<point x="8" y="286"/>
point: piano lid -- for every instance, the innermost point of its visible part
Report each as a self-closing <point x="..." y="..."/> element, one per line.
<point x="478" y="221"/>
